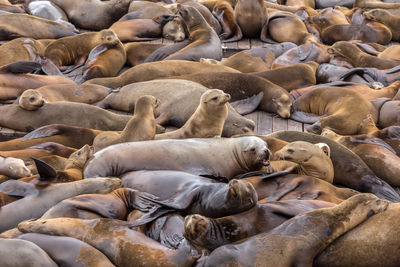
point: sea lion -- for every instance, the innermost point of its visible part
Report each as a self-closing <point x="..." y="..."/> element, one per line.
<point x="312" y="160"/>
<point x="86" y="93"/>
<point x="253" y="64"/>
<point x="252" y="18"/>
<point x="13" y="168"/>
<point x="392" y="52"/>
<point x="205" y="12"/>
<point x="230" y="30"/>
<point x="51" y="113"/>
<point x="178" y="102"/>
<point x="86" y="15"/>
<point x="337" y="104"/>
<point x="130" y="247"/>
<point x="389" y="114"/>
<point x="357" y="58"/>
<point x="331" y="3"/>
<point x="137" y="52"/>
<point x="141" y="127"/>
<point x="174" y="30"/>
<point x="192" y="194"/>
<point x="207" y="121"/>
<point x="20" y="49"/>
<point x="22" y="25"/>
<point x="240" y="155"/>
<point x="50" y="11"/>
<point x="16" y="252"/>
<point x="37" y="201"/>
<point x="379" y="156"/>
<point x="38" y="151"/>
<point x="276" y="49"/>
<point x="385" y="77"/>
<point x="326" y="17"/>
<point x="387" y="18"/>
<point x="201" y="231"/>
<point x="6" y="6"/>
<point x="349" y="169"/>
<point x="67" y="251"/>
<point x="148" y="10"/>
<point x="153" y="70"/>
<point x="301" y="238"/>
<point x="242" y="86"/>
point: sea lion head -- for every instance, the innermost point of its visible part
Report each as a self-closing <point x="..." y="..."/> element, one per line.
<point x="241" y="195"/>
<point x="14" y="168"/>
<point x="253" y="153"/>
<point x="283" y="105"/>
<point x="214" y="99"/>
<point x="197" y="229"/>
<point x="301" y="152"/>
<point x="108" y="37"/>
<point x="330" y="134"/>
<point x="374" y="14"/>
<point x="191" y="16"/>
<point x="31" y="100"/>
<point x="343" y="49"/>
<point x="210" y="61"/>
<point x="79" y="158"/>
<point x="174" y="30"/>
<point x="143" y="102"/>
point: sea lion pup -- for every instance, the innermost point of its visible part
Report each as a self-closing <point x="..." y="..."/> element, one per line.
<point x="252" y="18"/>
<point x="357" y="58"/>
<point x="160" y="69"/>
<point x="108" y="11"/>
<point x="68" y="251"/>
<point x="201" y="231"/>
<point x="16" y="252"/>
<point x="208" y="119"/>
<point x="86" y="93"/>
<point x="129" y="248"/>
<point x="141" y="127"/>
<point x="179" y="100"/>
<point x="223" y="11"/>
<point x="350" y="169"/>
<point x="378" y="155"/>
<point x="74" y="50"/>
<point x="190" y="194"/>
<point x="20" y="25"/>
<point x="301" y="238"/>
<point x="16" y="118"/>
<point x="312" y="160"/>
<point x="37" y="200"/>
<point x="242" y="86"/>
<point x="286" y="27"/>
<point x="198" y="156"/>
<point x="335" y="109"/>
<point x="13" y="168"/>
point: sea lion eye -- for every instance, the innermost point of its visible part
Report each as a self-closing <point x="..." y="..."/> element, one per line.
<point x="214" y="98"/>
<point x="290" y="150"/>
<point x="32" y="99"/>
<point x="253" y="150"/>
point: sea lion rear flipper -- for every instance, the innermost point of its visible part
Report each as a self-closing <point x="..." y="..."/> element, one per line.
<point x="280" y="192"/>
<point x="21" y="67"/>
<point x="305" y="117"/>
<point x="236" y="37"/>
<point x="46" y="172"/>
<point x="18" y="188"/>
<point x="49" y="68"/>
<point x="164" y="51"/>
<point x="44" y="131"/>
<point x="393" y="70"/>
<point x="172" y="241"/>
<point x="248" y="105"/>
<point x="367" y="48"/>
<point x="370" y="140"/>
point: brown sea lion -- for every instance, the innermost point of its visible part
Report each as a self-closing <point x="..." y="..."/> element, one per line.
<point x="309" y="3"/>
<point x="148" y="10"/>
<point x="326" y="17"/>
<point x="42" y="150"/>
<point x="86" y="93"/>
<point x="137" y="52"/>
<point x="13" y="168"/>
<point x="392" y="52"/>
<point x="357" y="58"/>
<point x="379" y="156"/>
<point x="68" y="251"/>
<point x="201" y="231"/>
<point x="346" y="165"/>
<point x="16" y="252"/>
<point x="240" y="155"/>
<point x="223" y="11"/>
<point x="207" y="121"/>
<point x="87" y="14"/>
<point x="38" y="200"/>
<point x="252" y="18"/>
<point x="301" y="238"/>
<point x="20" y="49"/>
<point x="130" y="248"/>
<point x="205" y="12"/>
<point x="178" y="102"/>
<point x="51" y="113"/>
<point x="313" y="160"/>
<point x="253" y="64"/>
<point x="174" y="30"/>
<point x="337" y="104"/>
<point x="141" y="127"/>
<point x="160" y="69"/>
<point x="22" y="25"/>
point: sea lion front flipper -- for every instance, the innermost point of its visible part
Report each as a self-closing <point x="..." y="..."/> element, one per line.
<point x="368" y="49"/>
<point x="18" y="188"/>
<point x="305" y="52"/>
<point x="46" y="172"/>
<point x="305" y="117"/>
<point x="45" y="131"/>
<point x="164" y="51"/>
<point x="248" y="105"/>
<point x="21" y="67"/>
<point x="269" y="59"/>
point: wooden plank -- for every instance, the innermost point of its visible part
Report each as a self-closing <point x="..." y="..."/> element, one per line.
<point x="264" y="123"/>
<point x="279" y="124"/>
<point x="253" y="116"/>
<point x="295" y="126"/>
<point x="254" y="43"/>
<point x="244" y="44"/>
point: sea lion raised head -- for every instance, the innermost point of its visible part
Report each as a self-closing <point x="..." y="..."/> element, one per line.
<point x="190" y="15"/>
<point x="108" y="37"/>
<point x="214" y="98"/>
<point x="79" y="157"/>
<point x="147" y="101"/>
<point x="253" y="153"/>
<point x="31" y="100"/>
<point x="283" y="105"/>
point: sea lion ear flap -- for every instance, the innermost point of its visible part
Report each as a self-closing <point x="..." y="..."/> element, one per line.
<point x="18" y="188"/>
<point x="45" y="171"/>
<point x="325" y="148"/>
<point x="248" y="105"/>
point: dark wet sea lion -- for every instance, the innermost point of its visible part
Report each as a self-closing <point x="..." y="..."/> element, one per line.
<point x="224" y="12"/>
<point x="301" y="238"/>
<point x="239" y="154"/>
<point x="347" y="165"/>
<point x="37" y="201"/>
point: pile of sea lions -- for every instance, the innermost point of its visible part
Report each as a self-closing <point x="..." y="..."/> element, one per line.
<point x="138" y="153"/>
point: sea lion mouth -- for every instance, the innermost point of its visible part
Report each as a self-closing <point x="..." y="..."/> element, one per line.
<point x="265" y="162"/>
